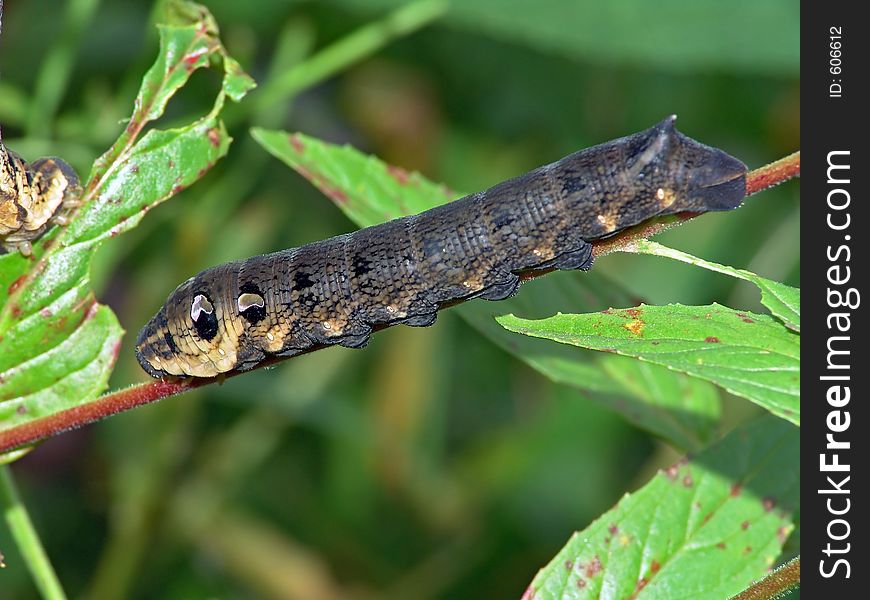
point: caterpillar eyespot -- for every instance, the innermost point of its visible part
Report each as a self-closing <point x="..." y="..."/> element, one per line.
<point x="200" y="305"/>
<point x="204" y="320"/>
<point x="339" y="290"/>
<point x="248" y="301"/>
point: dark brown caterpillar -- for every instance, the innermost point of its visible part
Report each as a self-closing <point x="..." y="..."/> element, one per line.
<point x="339" y="290"/>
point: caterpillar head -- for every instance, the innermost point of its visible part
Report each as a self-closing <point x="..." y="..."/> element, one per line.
<point x="697" y="177"/>
<point x="194" y="333"/>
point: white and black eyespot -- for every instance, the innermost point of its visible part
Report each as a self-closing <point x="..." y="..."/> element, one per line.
<point x="251" y="303"/>
<point x="204" y="319"/>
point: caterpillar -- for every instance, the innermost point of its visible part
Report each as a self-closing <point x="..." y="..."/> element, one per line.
<point x="32" y="197"/>
<point x="338" y="291"/>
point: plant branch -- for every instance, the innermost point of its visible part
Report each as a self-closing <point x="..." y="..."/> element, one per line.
<point x="145" y="393"/>
<point x="776" y="584"/>
<point x="27" y="539"/>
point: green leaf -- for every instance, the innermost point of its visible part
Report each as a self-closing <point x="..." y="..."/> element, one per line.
<point x="703" y="528"/>
<point x="742" y="36"/>
<point x="783" y="301"/>
<point x="750" y="355"/>
<point x="682" y="411"/>
<point x="57" y="344"/>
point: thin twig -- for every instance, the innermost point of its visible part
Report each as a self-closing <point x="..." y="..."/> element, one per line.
<point x="776" y="584"/>
<point x="22" y="530"/>
<point x="145" y="393"/>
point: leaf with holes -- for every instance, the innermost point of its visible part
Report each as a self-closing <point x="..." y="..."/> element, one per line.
<point x="750" y="355"/>
<point x="683" y="411"/>
<point x="703" y="528"/>
<point x="57" y="344"/>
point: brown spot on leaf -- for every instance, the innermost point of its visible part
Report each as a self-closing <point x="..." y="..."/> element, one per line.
<point x="721" y="545"/>
<point x="16" y="284"/>
<point x="672" y="472"/>
<point x="655" y="567"/>
<point x="735" y="490"/>
<point x="594" y="567"/>
<point x="688" y="481"/>
<point x="747" y="550"/>
<point x="635" y="327"/>
<point x="335" y="193"/>
<point x="569" y="564"/>
<point x="132" y="126"/>
<point x="45" y="313"/>
<point x="581" y="583"/>
<point x="214" y="137"/>
<point x="400" y="175"/>
<point x="744" y="525"/>
<point x="782" y="534"/>
<point x="641" y="583"/>
<point x="613" y="529"/>
<point x="634" y="313"/>
<point x="711" y="340"/>
<point x="296" y="142"/>
<point x="768" y="503"/>
<point x="21" y="410"/>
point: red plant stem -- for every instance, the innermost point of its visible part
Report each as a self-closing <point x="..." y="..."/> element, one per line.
<point x="785" y="578"/>
<point x="774" y="173"/>
<point x="145" y="393"/>
<point x="104" y="406"/>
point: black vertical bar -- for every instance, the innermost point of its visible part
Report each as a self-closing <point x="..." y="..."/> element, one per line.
<point x="835" y="169"/>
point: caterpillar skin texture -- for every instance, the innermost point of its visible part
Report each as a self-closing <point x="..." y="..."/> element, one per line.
<point x="337" y="291"/>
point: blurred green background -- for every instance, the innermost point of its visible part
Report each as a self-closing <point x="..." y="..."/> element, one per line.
<point x="432" y="464"/>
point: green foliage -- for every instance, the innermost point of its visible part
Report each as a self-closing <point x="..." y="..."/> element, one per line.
<point x="748" y="354"/>
<point x="782" y="300"/>
<point x="702" y="528"/>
